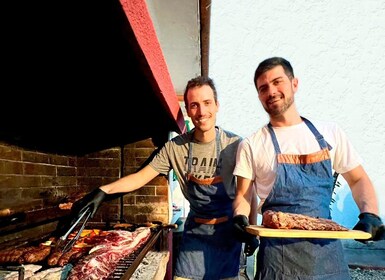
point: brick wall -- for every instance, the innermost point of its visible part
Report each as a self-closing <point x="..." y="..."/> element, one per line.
<point x="30" y="179"/>
<point x="33" y="180"/>
<point x="149" y="203"/>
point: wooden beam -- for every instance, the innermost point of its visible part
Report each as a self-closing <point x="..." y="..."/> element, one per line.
<point x="205" y="14"/>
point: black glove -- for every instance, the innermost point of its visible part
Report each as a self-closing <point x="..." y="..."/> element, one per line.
<point x="240" y="222"/>
<point x="91" y="200"/>
<point x="370" y="223"/>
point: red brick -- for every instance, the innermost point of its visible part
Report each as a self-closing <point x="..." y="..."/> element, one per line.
<point x="11" y="167"/>
<point x="9" y="152"/>
<point x="35" y="157"/>
<point x="66" y="171"/>
<point x="39" y="169"/>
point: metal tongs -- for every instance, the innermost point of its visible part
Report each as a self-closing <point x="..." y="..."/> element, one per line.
<point x="64" y="244"/>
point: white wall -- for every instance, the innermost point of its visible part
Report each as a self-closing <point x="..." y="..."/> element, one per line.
<point x="337" y="50"/>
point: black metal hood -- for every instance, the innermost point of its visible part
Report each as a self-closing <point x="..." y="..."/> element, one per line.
<point x="78" y="76"/>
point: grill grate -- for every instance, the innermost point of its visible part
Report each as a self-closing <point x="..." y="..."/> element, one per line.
<point x="126" y="266"/>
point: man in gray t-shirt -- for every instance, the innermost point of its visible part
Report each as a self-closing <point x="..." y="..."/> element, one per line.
<point x="174" y="155"/>
<point x="203" y="160"/>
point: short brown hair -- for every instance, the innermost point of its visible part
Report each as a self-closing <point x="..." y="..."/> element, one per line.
<point x="270" y="63"/>
<point x="198" y="82"/>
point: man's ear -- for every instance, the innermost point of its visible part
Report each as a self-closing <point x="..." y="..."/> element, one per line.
<point x="295" y="84"/>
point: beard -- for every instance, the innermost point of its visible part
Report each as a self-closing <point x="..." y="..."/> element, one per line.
<point x="277" y="111"/>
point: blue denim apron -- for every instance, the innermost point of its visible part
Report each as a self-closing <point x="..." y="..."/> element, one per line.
<point x="304" y="185"/>
<point x="208" y="248"/>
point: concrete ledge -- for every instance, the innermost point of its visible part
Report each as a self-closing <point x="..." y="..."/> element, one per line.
<point x="370" y="255"/>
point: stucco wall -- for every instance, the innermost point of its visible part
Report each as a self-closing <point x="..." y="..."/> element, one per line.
<point x="337" y="51"/>
<point x="177" y="26"/>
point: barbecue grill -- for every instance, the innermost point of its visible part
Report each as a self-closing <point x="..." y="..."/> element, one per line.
<point x="157" y="241"/>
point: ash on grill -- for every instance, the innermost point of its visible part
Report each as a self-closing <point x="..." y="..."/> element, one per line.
<point x="152" y="266"/>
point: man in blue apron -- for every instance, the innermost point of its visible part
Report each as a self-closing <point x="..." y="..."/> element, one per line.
<point x="203" y="161"/>
<point x="208" y="247"/>
<point x="290" y="163"/>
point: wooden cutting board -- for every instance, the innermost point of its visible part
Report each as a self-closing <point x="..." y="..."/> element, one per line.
<point x="299" y="233"/>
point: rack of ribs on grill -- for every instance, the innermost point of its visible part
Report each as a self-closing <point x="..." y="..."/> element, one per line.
<point x="103" y="258"/>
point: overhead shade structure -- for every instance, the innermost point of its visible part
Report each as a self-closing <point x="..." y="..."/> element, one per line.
<point x="81" y="76"/>
<point x="153" y="61"/>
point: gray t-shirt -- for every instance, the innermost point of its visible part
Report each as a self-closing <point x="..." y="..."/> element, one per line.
<point x="174" y="155"/>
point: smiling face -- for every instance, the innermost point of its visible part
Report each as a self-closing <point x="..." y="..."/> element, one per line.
<point x="202" y="109"/>
<point x="276" y="91"/>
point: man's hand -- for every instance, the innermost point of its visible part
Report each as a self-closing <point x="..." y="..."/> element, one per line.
<point x="240" y="223"/>
<point x="91" y="200"/>
<point x="372" y="224"/>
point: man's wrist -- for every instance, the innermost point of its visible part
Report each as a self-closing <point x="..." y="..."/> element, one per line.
<point x="368" y="214"/>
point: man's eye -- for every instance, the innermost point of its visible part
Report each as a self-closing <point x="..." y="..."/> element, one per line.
<point x="277" y="82"/>
<point x="262" y="90"/>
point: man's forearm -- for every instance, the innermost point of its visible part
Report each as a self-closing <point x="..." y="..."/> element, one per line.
<point x="243" y="198"/>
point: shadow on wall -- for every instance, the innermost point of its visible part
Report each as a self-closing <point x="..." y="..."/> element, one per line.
<point x="344" y="210"/>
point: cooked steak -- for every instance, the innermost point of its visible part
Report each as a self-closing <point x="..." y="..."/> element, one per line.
<point x="281" y="220"/>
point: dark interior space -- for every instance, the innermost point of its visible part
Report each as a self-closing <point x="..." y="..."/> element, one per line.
<point x="75" y="79"/>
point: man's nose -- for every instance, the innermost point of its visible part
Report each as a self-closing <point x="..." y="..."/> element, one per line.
<point x="272" y="90"/>
<point x="202" y="110"/>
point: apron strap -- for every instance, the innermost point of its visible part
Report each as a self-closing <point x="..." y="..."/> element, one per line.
<point x="274" y="139"/>
<point x="212" y="221"/>
<point x="320" y="139"/>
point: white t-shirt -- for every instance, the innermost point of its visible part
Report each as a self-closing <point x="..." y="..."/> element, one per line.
<point x="256" y="158"/>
